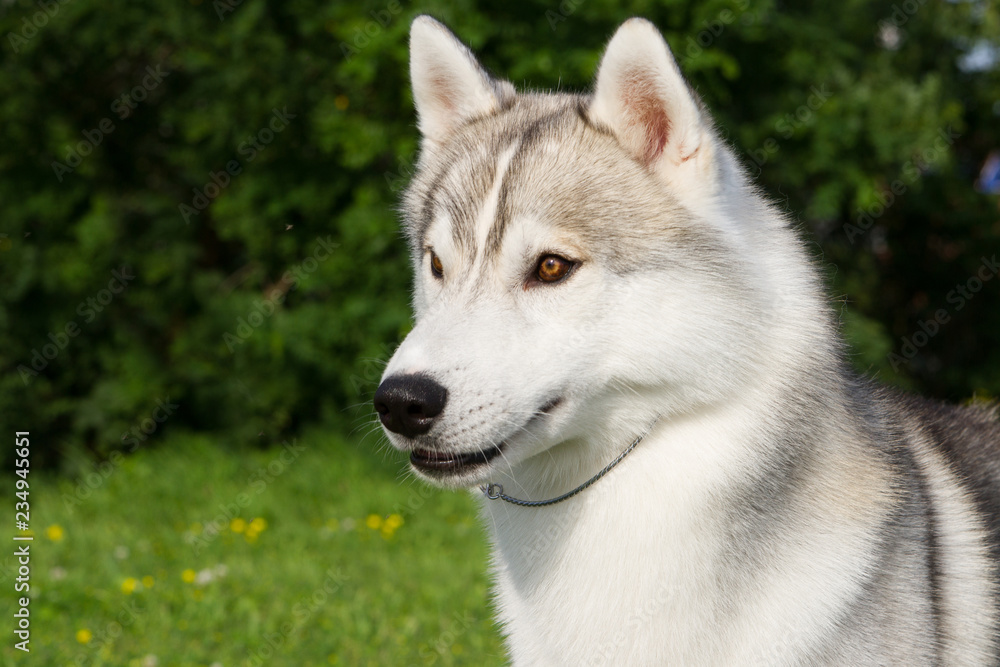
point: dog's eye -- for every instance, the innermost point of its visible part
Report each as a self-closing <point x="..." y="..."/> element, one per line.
<point x="553" y="268"/>
<point x="437" y="269"/>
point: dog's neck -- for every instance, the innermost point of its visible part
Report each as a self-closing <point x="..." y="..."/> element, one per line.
<point x="673" y="499"/>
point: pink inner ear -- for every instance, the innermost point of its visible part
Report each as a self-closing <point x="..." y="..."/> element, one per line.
<point x="441" y="87"/>
<point x="646" y="114"/>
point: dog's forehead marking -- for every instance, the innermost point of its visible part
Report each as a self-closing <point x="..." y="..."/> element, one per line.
<point x="472" y="173"/>
<point x="543" y="159"/>
<point x="462" y="200"/>
<point x="490" y="207"/>
<point x="452" y="217"/>
<point x="463" y="179"/>
<point x="527" y="142"/>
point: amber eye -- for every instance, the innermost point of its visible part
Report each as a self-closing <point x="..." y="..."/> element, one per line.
<point x="553" y="268"/>
<point x="436" y="267"/>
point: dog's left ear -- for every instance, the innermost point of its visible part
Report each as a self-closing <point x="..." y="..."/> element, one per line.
<point x="450" y="87"/>
<point x="643" y="99"/>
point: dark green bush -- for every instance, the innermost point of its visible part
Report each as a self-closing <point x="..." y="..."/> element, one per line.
<point x="243" y="161"/>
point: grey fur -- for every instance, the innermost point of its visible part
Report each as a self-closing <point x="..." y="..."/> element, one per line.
<point x="911" y="485"/>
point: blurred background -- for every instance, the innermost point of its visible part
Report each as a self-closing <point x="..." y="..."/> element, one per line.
<point x="203" y="276"/>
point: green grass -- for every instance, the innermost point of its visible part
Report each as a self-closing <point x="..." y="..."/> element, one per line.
<point x="326" y="579"/>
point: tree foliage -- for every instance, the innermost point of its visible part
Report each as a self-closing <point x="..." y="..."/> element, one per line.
<point x="243" y="159"/>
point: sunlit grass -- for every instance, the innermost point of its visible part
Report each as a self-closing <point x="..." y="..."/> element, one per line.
<point x="188" y="555"/>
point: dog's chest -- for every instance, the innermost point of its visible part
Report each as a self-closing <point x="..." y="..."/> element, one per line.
<point x="609" y="580"/>
<point x="589" y="584"/>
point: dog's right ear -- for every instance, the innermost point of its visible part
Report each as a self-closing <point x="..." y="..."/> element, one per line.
<point x="642" y="98"/>
<point x="450" y="87"/>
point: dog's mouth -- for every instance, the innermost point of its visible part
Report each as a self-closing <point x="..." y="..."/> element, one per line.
<point x="426" y="459"/>
<point x="450" y="462"/>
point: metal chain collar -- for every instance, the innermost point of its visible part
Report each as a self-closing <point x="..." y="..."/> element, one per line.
<point x="494" y="491"/>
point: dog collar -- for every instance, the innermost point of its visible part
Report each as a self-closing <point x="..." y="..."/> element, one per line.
<point x="494" y="491"/>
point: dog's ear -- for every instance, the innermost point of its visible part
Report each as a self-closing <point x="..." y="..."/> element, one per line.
<point x="642" y="98"/>
<point x="450" y="87"/>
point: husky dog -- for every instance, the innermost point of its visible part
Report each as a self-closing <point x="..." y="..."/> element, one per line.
<point x="596" y="270"/>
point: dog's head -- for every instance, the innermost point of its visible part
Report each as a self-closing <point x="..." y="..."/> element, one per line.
<point x="576" y="271"/>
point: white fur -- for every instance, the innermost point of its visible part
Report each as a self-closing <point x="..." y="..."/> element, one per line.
<point x="449" y="86"/>
<point x="639" y="79"/>
<point x="627" y="572"/>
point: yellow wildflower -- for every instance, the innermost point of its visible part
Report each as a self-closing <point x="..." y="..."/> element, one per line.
<point x="188" y="575"/>
<point x="54" y="532"/>
<point x="84" y="636"/>
<point x="374" y="521"/>
<point x="128" y="586"/>
<point x="237" y="525"/>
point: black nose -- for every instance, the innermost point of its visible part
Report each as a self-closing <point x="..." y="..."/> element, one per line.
<point x="408" y="404"/>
